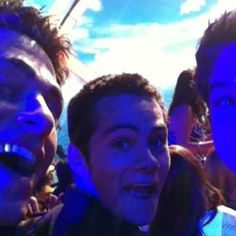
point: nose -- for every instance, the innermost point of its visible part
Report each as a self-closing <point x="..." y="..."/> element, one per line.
<point x="36" y="117"/>
<point x="146" y="162"/>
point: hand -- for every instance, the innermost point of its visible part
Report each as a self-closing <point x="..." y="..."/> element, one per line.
<point x="33" y="206"/>
<point x="53" y="201"/>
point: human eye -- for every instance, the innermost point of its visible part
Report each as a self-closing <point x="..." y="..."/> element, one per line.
<point x="158" y="142"/>
<point x="56" y="111"/>
<point x="54" y="103"/>
<point x="6" y="93"/>
<point x="121" y="143"/>
<point x="223" y="101"/>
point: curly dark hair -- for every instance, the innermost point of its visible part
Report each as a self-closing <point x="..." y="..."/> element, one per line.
<point x="82" y="121"/>
<point x="218" y="34"/>
<point x="186" y="93"/>
<point x="31" y="22"/>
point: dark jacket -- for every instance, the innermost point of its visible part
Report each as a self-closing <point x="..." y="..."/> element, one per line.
<point x="22" y="229"/>
<point x="83" y="215"/>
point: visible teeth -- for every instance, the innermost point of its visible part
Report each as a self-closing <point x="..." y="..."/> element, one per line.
<point x="7" y="147"/>
<point x="21" y="151"/>
<point x="15" y="148"/>
<point x="26" y="153"/>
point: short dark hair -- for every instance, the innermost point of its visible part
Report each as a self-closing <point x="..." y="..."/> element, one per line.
<point x="218" y="34"/>
<point x="81" y="118"/>
<point x="31" y="22"/>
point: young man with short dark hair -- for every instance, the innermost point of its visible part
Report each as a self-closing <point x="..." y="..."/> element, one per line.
<point x="216" y="81"/>
<point x="119" y="157"/>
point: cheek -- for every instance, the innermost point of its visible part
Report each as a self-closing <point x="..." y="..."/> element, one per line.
<point x="223" y="126"/>
<point x="164" y="162"/>
<point x="107" y="178"/>
<point x="50" y="145"/>
<point x="223" y="132"/>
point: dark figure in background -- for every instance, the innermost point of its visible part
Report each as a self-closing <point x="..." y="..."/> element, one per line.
<point x="189" y="205"/>
<point x="44" y="191"/>
<point x="32" y="68"/>
<point x="61" y="153"/>
<point x="188" y="120"/>
<point x="119" y="157"/>
<point x="65" y="179"/>
<point x="215" y="76"/>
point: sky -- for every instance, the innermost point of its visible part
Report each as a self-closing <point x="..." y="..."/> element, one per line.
<point x="156" y="38"/>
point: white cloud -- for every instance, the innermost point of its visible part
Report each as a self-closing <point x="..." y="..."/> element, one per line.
<point x="159" y="52"/>
<point x="33" y="3"/>
<point x="60" y="8"/>
<point x="191" y="6"/>
<point x="220" y="7"/>
<point x="94" y="5"/>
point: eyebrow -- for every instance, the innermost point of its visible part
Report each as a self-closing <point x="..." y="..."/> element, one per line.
<point x="31" y="72"/>
<point x="221" y="84"/>
<point x="159" y="128"/>
<point x="119" y="127"/>
<point x="21" y="64"/>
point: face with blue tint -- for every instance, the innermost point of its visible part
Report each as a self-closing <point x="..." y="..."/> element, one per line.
<point x="30" y="105"/>
<point x="222" y="104"/>
<point x="128" y="156"/>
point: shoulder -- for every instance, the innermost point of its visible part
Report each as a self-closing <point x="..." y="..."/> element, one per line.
<point x="223" y="223"/>
<point x="228" y="220"/>
<point x="226" y="211"/>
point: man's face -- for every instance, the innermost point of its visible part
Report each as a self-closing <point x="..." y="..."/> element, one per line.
<point x="129" y="158"/>
<point x="222" y="105"/>
<point x="30" y="105"/>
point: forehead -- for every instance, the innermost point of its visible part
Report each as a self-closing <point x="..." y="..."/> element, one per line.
<point x="129" y="109"/>
<point x="224" y="68"/>
<point x="18" y="46"/>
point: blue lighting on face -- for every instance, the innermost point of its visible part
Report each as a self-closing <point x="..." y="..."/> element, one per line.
<point x="222" y="103"/>
<point x="5" y="179"/>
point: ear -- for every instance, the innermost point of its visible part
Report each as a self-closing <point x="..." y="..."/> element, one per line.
<point x="80" y="169"/>
<point x="75" y="159"/>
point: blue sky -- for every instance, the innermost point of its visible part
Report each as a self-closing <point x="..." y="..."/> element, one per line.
<point x="157" y="38"/>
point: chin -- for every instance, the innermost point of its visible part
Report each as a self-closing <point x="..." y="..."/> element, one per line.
<point x="140" y="219"/>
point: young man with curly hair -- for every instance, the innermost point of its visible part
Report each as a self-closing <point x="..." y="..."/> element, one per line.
<point x="32" y="68"/>
<point x="119" y="157"/>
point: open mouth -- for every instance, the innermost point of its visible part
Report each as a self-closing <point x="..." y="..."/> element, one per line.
<point x="18" y="159"/>
<point x="142" y="191"/>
